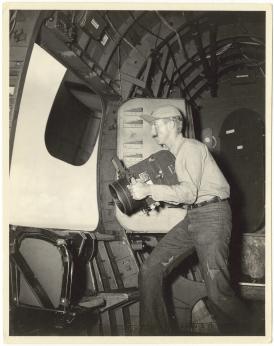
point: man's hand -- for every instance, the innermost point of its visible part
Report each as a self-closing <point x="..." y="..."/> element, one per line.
<point x="139" y="190"/>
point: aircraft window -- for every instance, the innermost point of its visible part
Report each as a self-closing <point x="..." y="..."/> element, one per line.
<point x="73" y="123"/>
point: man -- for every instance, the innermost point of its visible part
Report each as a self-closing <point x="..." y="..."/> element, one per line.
<point x="204" y="192"/>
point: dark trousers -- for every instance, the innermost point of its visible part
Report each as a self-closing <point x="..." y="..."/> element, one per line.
<point x="207" y="231"/>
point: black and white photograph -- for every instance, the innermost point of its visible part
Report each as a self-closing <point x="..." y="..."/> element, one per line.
<point x="138" y="196"/>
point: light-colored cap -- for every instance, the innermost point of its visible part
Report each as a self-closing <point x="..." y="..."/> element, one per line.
<point x="162" y="112"/>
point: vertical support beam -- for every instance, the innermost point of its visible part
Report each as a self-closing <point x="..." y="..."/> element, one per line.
<point x="170" y="76"/>
<point x="147" y="70"/>
<point x="21" y="40"/>
<point x="160" y="75"/>
<point x="209" y="73"/>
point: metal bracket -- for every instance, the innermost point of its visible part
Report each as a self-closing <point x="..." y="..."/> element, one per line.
<point x="113" y="300"/>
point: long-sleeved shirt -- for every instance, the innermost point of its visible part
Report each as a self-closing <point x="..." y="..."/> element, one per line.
<point x="200" y="179"/>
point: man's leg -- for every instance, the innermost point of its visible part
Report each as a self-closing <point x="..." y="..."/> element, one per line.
<point x="211" y="229"/>
<point x="172" y="249"/>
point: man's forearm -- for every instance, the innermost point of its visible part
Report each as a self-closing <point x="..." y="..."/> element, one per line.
<point x="180" y="193"/>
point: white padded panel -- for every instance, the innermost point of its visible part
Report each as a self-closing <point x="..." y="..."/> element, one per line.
<point x="47" y="192"/>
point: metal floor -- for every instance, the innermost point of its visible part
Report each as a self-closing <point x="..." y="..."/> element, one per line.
<point x="26" y="322"/>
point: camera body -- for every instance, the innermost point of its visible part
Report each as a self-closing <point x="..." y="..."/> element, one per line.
<point x="158" y="168"/>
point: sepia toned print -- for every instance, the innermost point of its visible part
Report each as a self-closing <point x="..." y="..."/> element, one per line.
<point x="138" y="165"/>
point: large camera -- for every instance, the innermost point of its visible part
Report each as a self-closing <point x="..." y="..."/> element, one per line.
<point x="159" y="168"/>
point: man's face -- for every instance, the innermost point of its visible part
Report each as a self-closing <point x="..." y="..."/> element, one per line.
<point x="160" y="131"/>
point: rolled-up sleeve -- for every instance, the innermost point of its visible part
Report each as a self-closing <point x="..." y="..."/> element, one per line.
<point x="189" y="167"/>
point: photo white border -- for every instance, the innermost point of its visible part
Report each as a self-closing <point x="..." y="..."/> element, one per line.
<point x="138" y="5"/>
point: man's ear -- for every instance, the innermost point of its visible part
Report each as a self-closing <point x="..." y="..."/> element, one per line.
<point x="171" y="124"/>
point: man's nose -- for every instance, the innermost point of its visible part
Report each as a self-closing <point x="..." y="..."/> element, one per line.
<point x="153" y="131"/>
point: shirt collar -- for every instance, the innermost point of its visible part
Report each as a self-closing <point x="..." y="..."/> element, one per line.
<point x="177" y="145"/>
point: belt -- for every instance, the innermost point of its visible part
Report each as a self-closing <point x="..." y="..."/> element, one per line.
<point x="201" y="204"/>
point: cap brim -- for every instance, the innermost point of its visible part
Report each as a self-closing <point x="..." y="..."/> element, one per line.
<point x="147" y="117"/>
